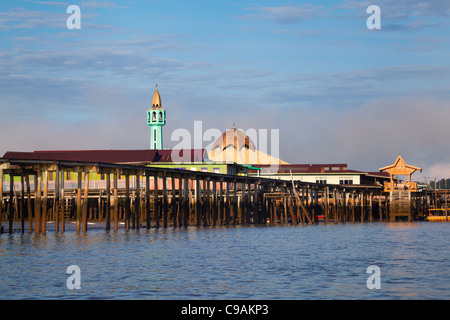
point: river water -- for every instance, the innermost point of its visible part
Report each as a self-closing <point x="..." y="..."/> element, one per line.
<point x="244" y="262"/>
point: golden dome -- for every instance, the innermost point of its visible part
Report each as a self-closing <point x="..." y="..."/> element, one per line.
<point x="156" y="101"/>
<point x="233" y="138"/>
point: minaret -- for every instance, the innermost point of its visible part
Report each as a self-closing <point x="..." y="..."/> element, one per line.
<point x="156" y="118"/>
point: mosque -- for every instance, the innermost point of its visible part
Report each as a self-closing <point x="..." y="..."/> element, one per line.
<point x="232" y="153"/>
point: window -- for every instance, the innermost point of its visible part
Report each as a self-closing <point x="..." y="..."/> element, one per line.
<point x="204" y="169"/>
<point x="154" y="116"/>
<point x="345" y="181"/>
<point x="322" y="181"/>
<point x="160" y="116"/>
<point x="216" y="170"/>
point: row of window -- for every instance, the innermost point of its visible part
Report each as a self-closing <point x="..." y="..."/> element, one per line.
<point x="160" y="117"/>
<point x="203" y="169"/>
<point x="344" y="181"/>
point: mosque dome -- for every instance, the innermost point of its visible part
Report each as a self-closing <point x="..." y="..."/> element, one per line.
<point x="233" y="138"/>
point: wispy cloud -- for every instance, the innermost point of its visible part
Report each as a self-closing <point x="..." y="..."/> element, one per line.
<point x="31" y="19"/>
<point x="286" y="14"/>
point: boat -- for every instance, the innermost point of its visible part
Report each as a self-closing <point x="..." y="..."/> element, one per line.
<point x="437" y="218"/>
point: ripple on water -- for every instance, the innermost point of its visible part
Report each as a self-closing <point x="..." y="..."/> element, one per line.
<point x="256" y="262"/>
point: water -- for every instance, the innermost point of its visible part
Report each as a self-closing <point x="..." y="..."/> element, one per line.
<point x="251" y="262"/>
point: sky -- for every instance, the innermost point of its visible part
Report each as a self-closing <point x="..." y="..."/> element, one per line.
<point x="336" y="91"/>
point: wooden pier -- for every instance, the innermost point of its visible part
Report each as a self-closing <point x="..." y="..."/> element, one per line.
<point x="139" y="196"/>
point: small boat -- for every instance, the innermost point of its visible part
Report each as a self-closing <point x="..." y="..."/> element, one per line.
<point x="437" y="218"/>
<point x="320" y="217"/>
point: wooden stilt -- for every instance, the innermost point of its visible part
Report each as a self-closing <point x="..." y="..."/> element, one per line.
<point x="79" y="202"/>
<point x="147" y="200"/>
<point x="198" y="197"/>
<point x="11" y="205"/>
<point x="127" y="201"/>
<point x="235" y="202"/>
<point x="29" y="205"/>
<point x="22" y="202"/>
<point x="62" y="204"/>
<point x="380" y="207"/>
<point x="85" y="202"/>
<point x="173" y="203"/>
<point x="45" y="204"/>
<point x="116" y="203"/>
<point x="108" y="202"/>
<point x="214" y="203"/>
<point x="138" y="202"/>
<point x="37" y="201"/>
<point x="165" y="204"/>
<point x="362" y="206"/>
<point x="221" y="208"/>
<point x="227" y="203"/>
<point x="56" y="201"/>
<point x="156" y="201"/>
<point x="186" y="206"/>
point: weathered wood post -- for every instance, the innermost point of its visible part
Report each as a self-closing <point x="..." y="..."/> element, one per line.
<point x="56" y="201"/>
<point x="127" y="201"/>
<point x="380" y="206"/>
<point x="62" y="204"/>
<point x="156" y="200"/>
<point x="180" y="201"/>
<point x="138" y="201"/>
<point x="37" y="201"/>
<point x="214" y="202"/>
<point x="370" y="207"/>
<point x="108" y="202"/>
<point x="235" y="202"/>
<point x="208" y="202"/>
<point x="256" y="211"/>
<point x="173" y="203"/>
<point x="227" y="203"/>
<point x="45" y="203"/>
<point x="22" y="202"/>
<point x="79" y="202"/>
<point x="11" y="205"/>
<point x="186" y="205"/>
<point x="116" y="202"/>
<point x="327" y="204"/>
<point x="353" y="206"/>
<point x="147" y="200"/>
<point x="85" y="201"/>
<point x="165" y="206"/>
<point x="30" y="209"/>
<point x="221" y="208"/>
<point x="362" y="206"/>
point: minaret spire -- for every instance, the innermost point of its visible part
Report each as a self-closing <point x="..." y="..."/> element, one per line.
<point x="156" y="119"/>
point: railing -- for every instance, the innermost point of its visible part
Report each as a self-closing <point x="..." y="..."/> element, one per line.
<point x="400" y="186"/>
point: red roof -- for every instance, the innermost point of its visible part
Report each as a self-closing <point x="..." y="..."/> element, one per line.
<point x="107" y="156"/>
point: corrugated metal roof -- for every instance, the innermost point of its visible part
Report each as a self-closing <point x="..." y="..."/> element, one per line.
<point x="105" y="156"/>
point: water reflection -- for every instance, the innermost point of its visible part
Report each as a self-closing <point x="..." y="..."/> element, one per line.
<point x="256" y="262"/>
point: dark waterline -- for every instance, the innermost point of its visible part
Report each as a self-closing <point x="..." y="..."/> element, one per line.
<point x="249" y="262"/>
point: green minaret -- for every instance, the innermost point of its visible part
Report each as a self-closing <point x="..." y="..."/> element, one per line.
<point x="156" y="118"/>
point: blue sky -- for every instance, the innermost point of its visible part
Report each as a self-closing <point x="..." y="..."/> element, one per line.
<point x="337" y="91"/>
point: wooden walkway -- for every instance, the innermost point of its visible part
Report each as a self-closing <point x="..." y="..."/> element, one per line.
<point x="177" y="198"/>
